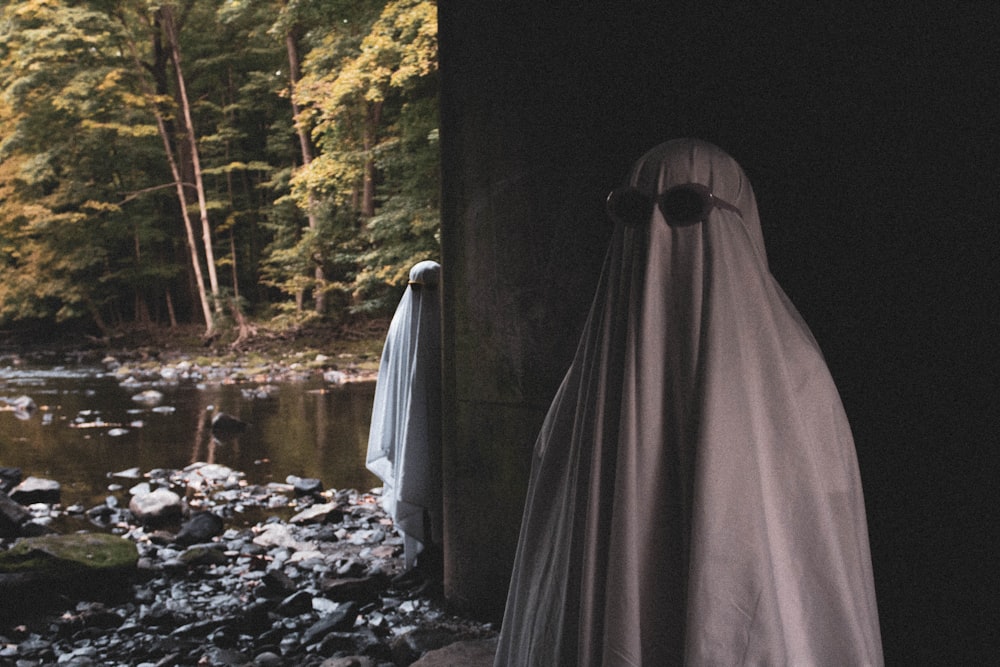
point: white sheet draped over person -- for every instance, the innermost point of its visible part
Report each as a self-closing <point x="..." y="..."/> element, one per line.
<point x="404" y="443"/>
<point x="695" y="496"/>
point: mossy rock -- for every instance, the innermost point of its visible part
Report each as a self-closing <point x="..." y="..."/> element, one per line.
<point x="203" y="555"/>
<point x="39" y="573"/>
<point x="67" y="555"/>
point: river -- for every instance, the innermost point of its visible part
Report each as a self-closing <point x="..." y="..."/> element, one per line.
<point x="88" y="426"/>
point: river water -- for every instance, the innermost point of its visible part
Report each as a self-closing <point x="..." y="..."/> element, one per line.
<point x="88" y="426"/>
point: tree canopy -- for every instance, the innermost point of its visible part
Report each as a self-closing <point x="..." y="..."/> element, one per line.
<point x="200" y="160"/>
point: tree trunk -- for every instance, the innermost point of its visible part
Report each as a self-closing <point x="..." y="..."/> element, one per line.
<point x="140" y="308"/>
<point x="98" y="320"/>
<point x="179" y="187"/>
<point x="236" y="280"/>
<point x="170" y="311"/>
<point x="206" y="228"/>
<point x="293" y="79"/>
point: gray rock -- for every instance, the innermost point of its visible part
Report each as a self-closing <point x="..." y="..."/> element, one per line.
<point x="277" y="583"/>
<point x="9" y="478"/>
<point x="35" y="528"/>
<point x="341" y="643"/>
<point x="156" y="506"/>
<point x="352" y="568"/>
<point x="349" y="661"/>
<point x="411" y="645"/>
<point x="148" y="397"/>
<point x="268" y="659"/>
<point x="23" y="406"/>
<point x="204" y="554"/>
<point x="470" y="653"/>
<point x="225" y="657"/>
<point x="305" y="486"/>
<point x="335" y="376"/>
<point x="13" y="517"/>
<point x="342" y="619"/>
<point x="254" y="618"/>
<point x="102" y="514"/>
<point x="226" y="611"/>
<point x="328" y="532"/>
<point x="226" y="424"/>
<point x="320" y="513"/>
<point x="278" y="535"/>
<point x="37" y="490"/>
<point x="358" y="589"/>
<point x="201" y="527"/>
<point x="295" y="604"/>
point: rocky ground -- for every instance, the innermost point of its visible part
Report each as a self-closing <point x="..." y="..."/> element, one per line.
<point x="229" y="573"/>
<point x="323" y="587"/>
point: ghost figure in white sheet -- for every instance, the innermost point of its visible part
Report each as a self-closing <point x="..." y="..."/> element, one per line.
<point x="404" y="444"/>
<point x="695" y="496"/>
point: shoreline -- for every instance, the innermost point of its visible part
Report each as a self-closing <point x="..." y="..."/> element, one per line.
<point x="319" y="589"/>
<point x="320" y="586"/>
<point x="354" y="351"/>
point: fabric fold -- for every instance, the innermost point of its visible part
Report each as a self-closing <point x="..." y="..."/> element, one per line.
<point x="404" y="441"/>
<point x="695" y="496"/>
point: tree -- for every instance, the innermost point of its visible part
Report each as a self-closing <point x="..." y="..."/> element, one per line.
<point x="166" y="14"/>
<point x="58" y="72"/>
<point x="127" y="124"/>
<point x="373" y="111"/>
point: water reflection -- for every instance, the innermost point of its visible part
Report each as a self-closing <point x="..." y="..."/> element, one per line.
<point x="87" y="426"/>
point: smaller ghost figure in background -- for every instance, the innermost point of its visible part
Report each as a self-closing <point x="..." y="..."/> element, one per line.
<point x="404" y="443"/>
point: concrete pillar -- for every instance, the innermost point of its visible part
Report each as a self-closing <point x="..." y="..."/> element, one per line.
<point x="523" y="238"/>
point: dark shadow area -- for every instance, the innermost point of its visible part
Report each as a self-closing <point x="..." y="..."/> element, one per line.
<point x="871" y="139"/>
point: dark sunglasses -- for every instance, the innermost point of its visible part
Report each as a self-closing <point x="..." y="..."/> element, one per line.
<point x="680" y="205"/>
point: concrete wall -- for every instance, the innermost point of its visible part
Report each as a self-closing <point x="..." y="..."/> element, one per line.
<point x="523" y="248"/>
<point x="873" y="143"/>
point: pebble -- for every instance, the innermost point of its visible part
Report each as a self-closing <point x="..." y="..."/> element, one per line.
<point x="319" y="591"/>
<point x="316" y="592"/>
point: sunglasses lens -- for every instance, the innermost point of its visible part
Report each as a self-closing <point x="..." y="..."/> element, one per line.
<point x="683" y="205"/>
<point x="629" y="206"/>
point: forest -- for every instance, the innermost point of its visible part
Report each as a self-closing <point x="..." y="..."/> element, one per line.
<point x="214" y="162"/>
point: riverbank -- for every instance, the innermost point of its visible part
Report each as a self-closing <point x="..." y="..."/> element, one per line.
<point x="353" y="347"/>
<point x="324" y="587"/>
<point x="313" y="582"/>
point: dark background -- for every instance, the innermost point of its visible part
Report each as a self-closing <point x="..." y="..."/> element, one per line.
<point x="870" y="136"/>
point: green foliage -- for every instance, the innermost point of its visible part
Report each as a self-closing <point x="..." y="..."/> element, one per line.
<point x="58" y="69"/>
<point x="90" y="224"/>
<point x="373" y="110"/>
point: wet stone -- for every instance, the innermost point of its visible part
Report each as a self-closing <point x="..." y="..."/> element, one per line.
<point x="295" y="604"/>
<point x="277" y="592"/>
<point x="201" y="527"/>
<point x="469" y="653"/>
<point x="9" y="478"/>
<point x="268" y="659"/>
<point x="22" y="406"/>
<point x="225" y="424"/>
<point x="13" y="517"/>
<point x="305" y="486"/>
<point x="156" y="506"/>
<point x="277" y="583"/>
<point x="320" y="513"/>
<point x="360" y="589"/>
<point x="204" y="554"/>
<point x="351" y="661"/>
<point x="408" y="647"/>
<point x="37" y="490"/>
<point x="342" y="619"/>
